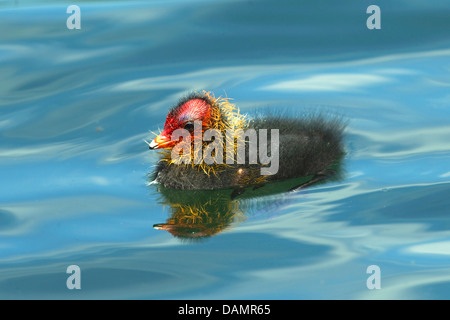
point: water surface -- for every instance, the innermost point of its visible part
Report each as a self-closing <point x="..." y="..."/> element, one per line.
<point x="76" y="105"/>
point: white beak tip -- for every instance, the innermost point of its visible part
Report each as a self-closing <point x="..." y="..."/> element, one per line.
<point x="152" y="145"/>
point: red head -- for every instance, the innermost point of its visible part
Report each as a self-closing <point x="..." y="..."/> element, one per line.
<point x="193" y="108"/>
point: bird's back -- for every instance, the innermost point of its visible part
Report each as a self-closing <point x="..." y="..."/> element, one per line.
<point x="307" y="146"/>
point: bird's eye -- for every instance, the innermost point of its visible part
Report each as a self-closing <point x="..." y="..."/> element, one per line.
<point x="189" y="126"/>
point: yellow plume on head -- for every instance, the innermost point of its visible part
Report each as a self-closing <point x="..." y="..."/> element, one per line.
<point x="224" y="116"/>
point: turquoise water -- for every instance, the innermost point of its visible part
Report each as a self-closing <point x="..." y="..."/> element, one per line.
<point x="76" y="105"/>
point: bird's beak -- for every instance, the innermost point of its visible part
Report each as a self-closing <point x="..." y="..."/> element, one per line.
<point x="160" y="226"/>
<point x="159" y="142"/>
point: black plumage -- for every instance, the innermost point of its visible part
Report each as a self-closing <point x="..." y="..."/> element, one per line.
<point x="308" y="146"/>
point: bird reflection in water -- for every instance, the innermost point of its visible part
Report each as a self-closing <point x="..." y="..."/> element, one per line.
<point x="199" y="214"/>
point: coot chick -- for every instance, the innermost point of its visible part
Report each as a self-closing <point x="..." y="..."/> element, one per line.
<point x="298" y="147"/>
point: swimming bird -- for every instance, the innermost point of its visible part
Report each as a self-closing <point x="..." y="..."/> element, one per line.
<point x="299" y="146"/>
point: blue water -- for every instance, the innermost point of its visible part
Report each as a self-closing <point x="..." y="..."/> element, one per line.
<point x="75" y="106"/>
